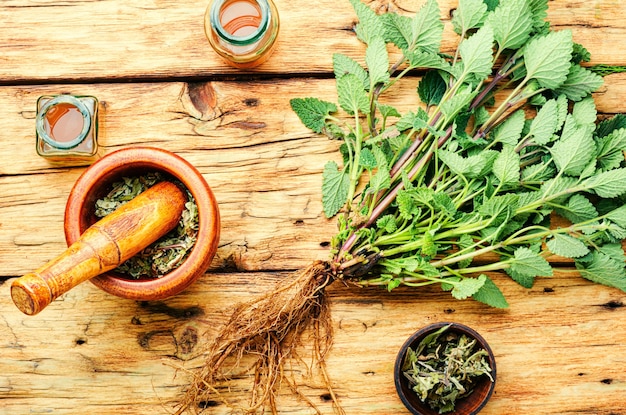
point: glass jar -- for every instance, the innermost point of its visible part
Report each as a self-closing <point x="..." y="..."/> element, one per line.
<point x="67" y="128"/>
<point x="242" y="32"/>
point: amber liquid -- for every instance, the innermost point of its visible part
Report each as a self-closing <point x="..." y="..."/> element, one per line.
<point x="63" y="122"/>
<point x="240" y="17"/>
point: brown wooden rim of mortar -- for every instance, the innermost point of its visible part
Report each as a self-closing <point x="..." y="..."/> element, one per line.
<point x="131" y="161"/>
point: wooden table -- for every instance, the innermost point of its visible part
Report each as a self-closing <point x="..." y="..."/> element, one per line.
<point x="560" y="347"/>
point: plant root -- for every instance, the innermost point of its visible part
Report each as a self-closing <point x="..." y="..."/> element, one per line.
<point x="268" y="330"/>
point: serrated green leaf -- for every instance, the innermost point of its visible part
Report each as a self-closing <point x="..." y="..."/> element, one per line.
<point x="573" y="154"/>
<point x="545" y="124"/>
<point x="585" y="112"/>
<point x="352" y="95"/>
<point x="312" y="112"/>
<point x="500" y="208"/>
<point x="377" y="60"/>
<point x="407" y="206"/>
<point x="580" y="83"/>
<point x="614" y="251"/>
<point x="429" y="247"/>
<point x="618" y="216"/>
<point x="426" y="60"/>
<point x="529" y="263"/>
<point x="380" y="181"/>
<point x="335" y="185"/>
<point x="539" y="10"/>
<point x="567" y="246"/>
<point x="510" y="131"/>
<point x="608" y="184"/>
<point x="578" y="209"/>
<point x="431" y="88"/>
<point x="506" y="167"/>
<point x="610" y="125"/>
<point x="491" y="295"/>
<point x="370" y="24"/>
<point x="603" y="269"/>
<point x="427" y="28"/>
<point x="467" y="287"/>
<point x="343" y="65"/>
<point x="397" y="29"/>
<point x="367" y="159"/>
<point x="388" y="111"/>
<point x="526" y="281"/>
<point x="547" y="58"/>
<point x="465" y="242"/>
<point x="461" y="100"/>
<point x="388" y="223"/>
<point x="512" y="23"/>
<point x="470" y="14"/>
<point x="611" y="149"/>
<point x="477" y="53"/>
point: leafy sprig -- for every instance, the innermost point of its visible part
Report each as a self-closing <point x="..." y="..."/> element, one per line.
<point x="422" y="194"/>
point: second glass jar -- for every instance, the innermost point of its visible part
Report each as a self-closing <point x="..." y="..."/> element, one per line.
<point x="242" y="32"/>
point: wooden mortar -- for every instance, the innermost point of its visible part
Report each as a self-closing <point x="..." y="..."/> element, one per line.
<point x="103" y="246"/>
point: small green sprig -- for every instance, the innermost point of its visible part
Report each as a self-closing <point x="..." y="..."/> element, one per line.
<point x="507" y="134"/>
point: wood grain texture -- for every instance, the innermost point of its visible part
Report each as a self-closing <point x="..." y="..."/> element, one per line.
<point x="159" y="39"/>
<point x="559" y="348"/>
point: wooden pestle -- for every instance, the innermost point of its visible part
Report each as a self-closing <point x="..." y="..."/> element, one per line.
<point x="103" y="246"/>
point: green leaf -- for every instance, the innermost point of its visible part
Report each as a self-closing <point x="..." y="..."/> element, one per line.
<point x="352" y="95"/>
<point x="491" y="295"/>
<point x="539" y="10"/>
<point x="427" y="28"/>
<point x="567" y="246"/>
<point x="477" y="53"/>
<point x="572" y="154"/>
<point x="388" y="223"/>
<point x="614" y="251"/>
<point x="370" y="24"/>
<point x="397" y="29"/>
<point x="470" y="14"/>
<point x="377" y="60"/>
<point x="585" y="112"/>
<point x="547" y="58"/>
<point x="578" y="209"/>
<point x="367" y="160"/>
<point x="529" y="263"/>
<point x="611" y="149"/>
<point x="388" y="111"/>
<point x="526" y="281"/>
<point x="610" y="125"/>
<point x="618" y="216"/>
<point x="545" y="124"/>
<point x="312" y="112"/>
<point x="512" y="23"/>
<point x="468" y="287"/>
<point x="380" y="181"/>
<point x="407" y="206"/>
<point x="426" y="60"/>
<point x="608" y="184"/>
<point x="506" y="167"/>
<point x="335" y="186"/>
<point x="461" y="100"/>
<point x="431" y="88"/>
<point x="510" y="131"/>
<point x="580" y="83"/>
<point x="603" y="269"/>
<point x="343" y="65"/>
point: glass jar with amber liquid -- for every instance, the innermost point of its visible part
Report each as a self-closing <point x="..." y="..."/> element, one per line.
<point x="67" y="128"/>
<point x="242" y="32"/>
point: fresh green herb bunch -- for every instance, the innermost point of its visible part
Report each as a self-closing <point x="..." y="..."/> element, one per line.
<point x="507" y="135"/>
<point x="167" y="253"/>
<point x="445" y="367"/>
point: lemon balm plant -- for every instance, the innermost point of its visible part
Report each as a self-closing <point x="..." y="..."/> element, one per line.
<point x="507" y="135"/>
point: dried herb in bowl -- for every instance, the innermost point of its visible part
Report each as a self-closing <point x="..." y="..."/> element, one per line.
<point x="167" y="253"/>
<point x="445" y="367"/>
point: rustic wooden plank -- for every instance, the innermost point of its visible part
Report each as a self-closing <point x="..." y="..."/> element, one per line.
<point x="262" y="163"/>
<point x="165" y="38"/>
<point x="559" y="348"/>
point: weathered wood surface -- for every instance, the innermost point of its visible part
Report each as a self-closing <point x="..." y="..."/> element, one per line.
<point x="159" y="39"/>
<point x="560" y="348"/>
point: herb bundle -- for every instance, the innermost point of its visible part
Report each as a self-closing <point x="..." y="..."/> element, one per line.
<point x="506" y="137"/>
<point x="165" y="254"/>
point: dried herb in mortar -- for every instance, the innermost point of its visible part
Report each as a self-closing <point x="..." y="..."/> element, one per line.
<point x="167" y="253"/>
<point x="445" y="367"/>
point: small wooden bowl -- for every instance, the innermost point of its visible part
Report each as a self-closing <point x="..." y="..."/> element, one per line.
<point x="470" y="405"/>
<point x="95" y="183"/>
